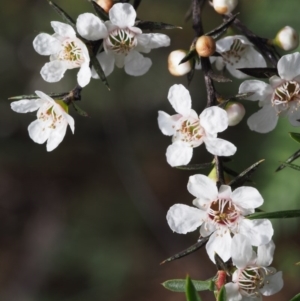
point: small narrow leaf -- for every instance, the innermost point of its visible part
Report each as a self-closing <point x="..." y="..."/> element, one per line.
<point x="136" y="4"/>
<point x="222" y="294"/>
<point x="292" y="158"/>
<point x="99" y="70"/>
<point x="101" y="13"/>
<point x="245" y="175"/>
<point x="295" y="136"/>
<point x="221" y="265"/>
<point x="63" y="14"/>
<point x="200" y="243"/>
<point x="276" y="214"/>
<point x="259" y="72"/>
<point x="222" y="28"/>
<point x="190" y="291"/>
<point x="148" y="25"/>
<point x="190" y="55"/>
<point x="220" y="78"/>
<point x="34" y="96"/>
<point x="195" y="166"/>
<point x="79" y="110"/>
<point x="296" y="298"/>
<point x="293" y="166"/>
<point x="178" y="285"/>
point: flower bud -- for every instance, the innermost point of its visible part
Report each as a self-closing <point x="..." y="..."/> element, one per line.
<point x="235" y="112"/>
<point x="287" y="38"/>
<point x="205" y="46"/>
<point x="173" y="63"/>
<point x="224" y="7"/>
<point x="105" y="4"/>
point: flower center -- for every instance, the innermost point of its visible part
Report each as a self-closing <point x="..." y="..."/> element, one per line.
<point x="235" y="53"/>
<point x="252" y="279"/>
<point x="286" y="96"/>
<point x="223" y="211"/>
<point x="71" y="52"/>
<point x="121" y="41"/>
<point x="190" y="131"/>
<point x="50" y="115"/>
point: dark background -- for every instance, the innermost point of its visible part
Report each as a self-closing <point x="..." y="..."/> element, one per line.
<point x="87" y="221"/>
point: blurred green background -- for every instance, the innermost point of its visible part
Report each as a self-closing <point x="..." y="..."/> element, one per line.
<point x="87" y="221"/>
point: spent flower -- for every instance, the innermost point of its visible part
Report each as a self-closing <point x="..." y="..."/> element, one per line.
<point x="220" y="214"/>
<point x="190" y="130"/>
<point x="281" y="97"/>
<point x="52" y="119"/>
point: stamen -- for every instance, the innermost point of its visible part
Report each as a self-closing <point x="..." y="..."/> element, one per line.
<point x="71" y="52"/>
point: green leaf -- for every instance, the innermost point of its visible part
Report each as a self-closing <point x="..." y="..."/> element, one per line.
<point x="190" y="55"/>
<point x="178" y="285"/>
<point x="245" y="175"/>
<point x="34" y="96"/>
<point x="295" y="136"/>
<point x="222" y="28"/>
<point x="195" y="166"/>
<point x="63" y="14"/>
<point x="222" y="294"/>
<point x="276" y="214"/>
<point x="200" y="243"/>
<point x="293" y="166"/>
<point x="292" y="158"/>
<point x="296" y="298"/>
<point x="190" y="291"/>
<point x="79" y="110"/>
<point x="148" y="25"/>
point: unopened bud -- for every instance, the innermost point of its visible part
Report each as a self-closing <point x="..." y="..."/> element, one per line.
<point x="174" y="59"/>
<point x="235" y="112"/>
<point x="205" y="46"/>
<point x="224" y="7"/>
<point x="287" y="38"/>
<point x="105" y="4"/>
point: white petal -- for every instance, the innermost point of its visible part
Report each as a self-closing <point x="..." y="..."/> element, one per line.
<point x="276" y="81"/>
<point x="38" y="131"/>
<point x="91" y="27"/>
<point x="180" y="99"/>
<point x="63" y="29"/>
<point x="122" y="14"/>
<point x="182" y="218"/>
<point x="207" y="228"/>
<point x="264" y="120"/>
<point x="259" y="231"/>
<point x="261" y="90"/>
<point x="45" y="97"/>
<point x="203" y="188"/>
<point x="232" y="292"/>
<point x="241" y="250"/>
<point x="214" y="120"/>
<point x="45" y="44"/>
<point x="273" y="284"/>
<point x="53" y="71"/>
<point x="294" y="116"/>
<point x="224" y="44"/>
<point x="56" y="136"/>
<point x="247" y="197"/>
<point x="265" y="254"/>
<point x="179" y="153"/>
<point x="166" y="123"/>
<point x="153" y="40"/>
<point x="84" y="75"/>
<point x="26" y="105"/>
<point x="289" y="66"/>
<point x="107" y="62"/>
<point x="219" y="243"/>
<point x="219" y="147"/>
<point x="225" y="192"/>
<point x="136" y="64"/>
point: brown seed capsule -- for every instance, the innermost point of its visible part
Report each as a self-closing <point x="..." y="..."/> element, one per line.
<point x="105" y="4"/>
<point x="205" y="46"/>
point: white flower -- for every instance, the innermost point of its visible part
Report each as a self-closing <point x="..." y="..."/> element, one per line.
<point x="123" y="42"/>
<point x="190" y="130"/>
<point x="279" y="98"/>
<point x="66" y="52"/>
<point x="236" y="52"/>
<point x="52" y="119"/>
<point x="220" y="214"/>
<point x="174" y="59"/>
<point x="253" y="277"/>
